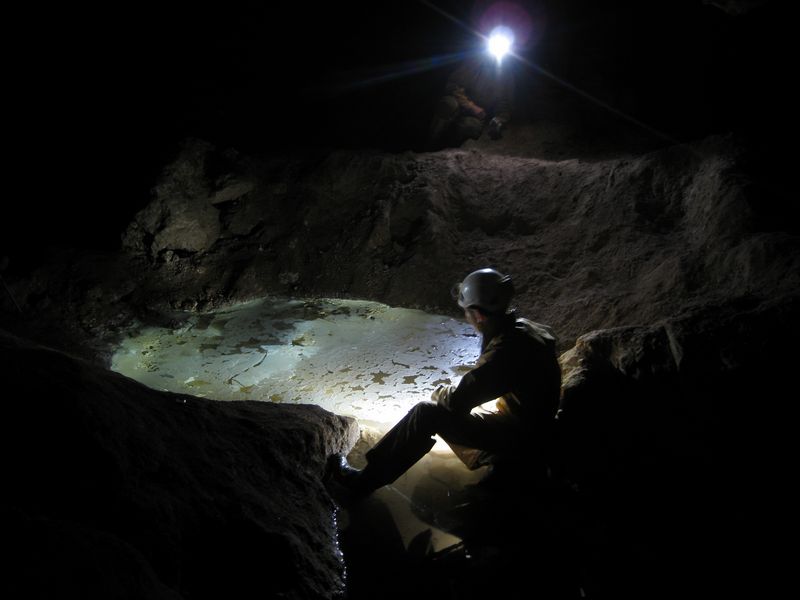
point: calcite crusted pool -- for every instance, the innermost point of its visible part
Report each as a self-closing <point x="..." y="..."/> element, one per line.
<point x="352" y="357"/>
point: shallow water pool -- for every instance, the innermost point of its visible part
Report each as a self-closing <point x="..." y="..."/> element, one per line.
<point x="356" y="358"/>
<point x="352" y="357"/>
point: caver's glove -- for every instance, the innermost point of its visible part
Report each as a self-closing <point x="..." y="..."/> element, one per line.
<point x="441" y="395"/>
<point x="476" y="111"/>
<point x="495" y="128"/>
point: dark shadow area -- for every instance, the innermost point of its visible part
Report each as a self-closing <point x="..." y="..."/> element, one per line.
<point x="104" y="106"/>
<point x="517" y="543"/>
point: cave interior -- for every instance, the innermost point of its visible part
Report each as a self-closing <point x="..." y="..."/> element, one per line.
<point x="175" y="160"/>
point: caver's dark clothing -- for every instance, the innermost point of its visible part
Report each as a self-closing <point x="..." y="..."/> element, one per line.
<point x="478" y="82"/>
<point x="485" y="83"/>
<point x="518" y="365"/>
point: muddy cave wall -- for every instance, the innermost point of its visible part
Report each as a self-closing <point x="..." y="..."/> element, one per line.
<point x="591" y="244"/>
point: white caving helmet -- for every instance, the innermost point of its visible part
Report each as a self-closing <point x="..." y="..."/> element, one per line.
<point x="487" y="289"/>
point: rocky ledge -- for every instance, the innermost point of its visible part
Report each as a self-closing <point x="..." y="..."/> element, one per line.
<point x="115" y="490"/>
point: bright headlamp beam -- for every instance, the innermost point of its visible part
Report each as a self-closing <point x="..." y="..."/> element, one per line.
<point x="499" y="44"/>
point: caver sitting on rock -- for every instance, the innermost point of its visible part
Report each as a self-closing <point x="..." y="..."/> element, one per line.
<point x="478" y="95"/>
<point x="518" y="366"/>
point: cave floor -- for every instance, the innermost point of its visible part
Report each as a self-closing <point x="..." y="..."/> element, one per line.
<point x="438" y="532"/>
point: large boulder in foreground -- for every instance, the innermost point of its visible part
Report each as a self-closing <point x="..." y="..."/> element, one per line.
<point x="113" y="489"/>
<point x="700" y="387"/>
<point x="677" y="430"/>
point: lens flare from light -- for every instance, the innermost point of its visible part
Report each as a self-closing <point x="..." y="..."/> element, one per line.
<point x="500" y="41"/>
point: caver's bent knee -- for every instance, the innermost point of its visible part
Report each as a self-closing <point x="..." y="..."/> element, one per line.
<point x="447" y="107"/>
<point x="429" y="410"/>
